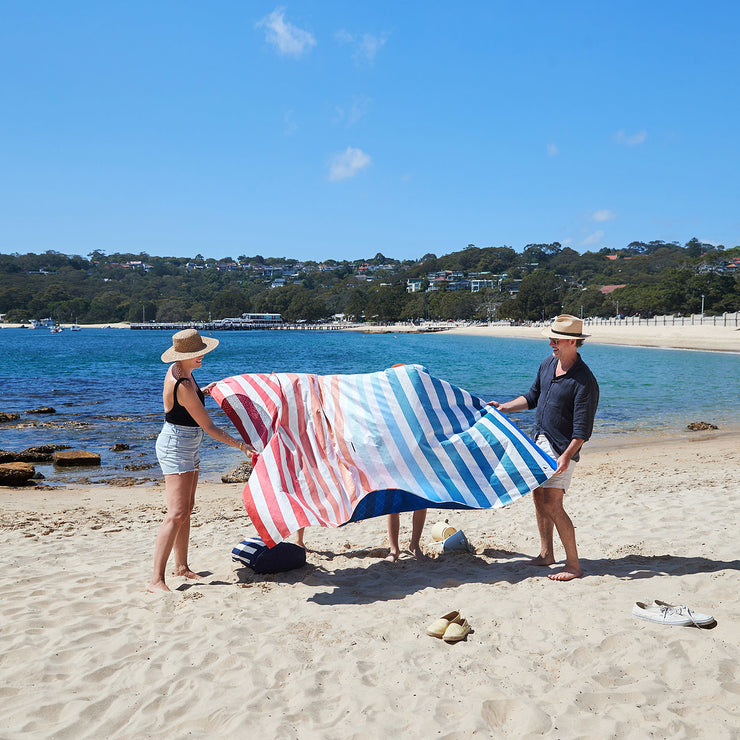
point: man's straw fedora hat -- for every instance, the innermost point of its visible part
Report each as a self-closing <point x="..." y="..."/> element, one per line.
<point x="187" y="344"/>
<point x="565" y="327"/>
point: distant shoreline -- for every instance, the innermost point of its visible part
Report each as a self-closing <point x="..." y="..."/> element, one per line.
<point x="704" y="337"/>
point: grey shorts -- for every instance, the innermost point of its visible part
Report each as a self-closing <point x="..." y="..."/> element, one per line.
<point x="177" y="448"/>
<point x="563" y="479"/>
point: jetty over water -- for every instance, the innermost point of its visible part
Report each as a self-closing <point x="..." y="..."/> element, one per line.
<point x="235" y="326"/>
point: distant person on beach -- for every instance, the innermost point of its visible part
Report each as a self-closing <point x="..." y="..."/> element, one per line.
<point x="565" y="394"/>
<point x="394" y="525"/>
<point x="177" y="449"/>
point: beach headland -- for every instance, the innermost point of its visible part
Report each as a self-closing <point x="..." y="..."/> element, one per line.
<point x="88" y="653"/>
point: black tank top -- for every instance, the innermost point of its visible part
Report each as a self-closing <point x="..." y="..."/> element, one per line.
<point x="179" y="414"/>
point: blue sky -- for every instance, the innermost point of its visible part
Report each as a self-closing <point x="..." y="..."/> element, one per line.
<point x="324" y="129"/>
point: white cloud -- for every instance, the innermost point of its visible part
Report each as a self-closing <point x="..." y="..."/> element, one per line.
<point x="288" y="39"/>
<point x="552" y="150"/>
<point x="348" y="164"/>
<point x="603" y="214"/>
<point x="365" y="47"/>
<point x="621" y="137"/>
<point x="289" y="124"/>
<point x="594" y="238"/>
<point x="357" y="110"/>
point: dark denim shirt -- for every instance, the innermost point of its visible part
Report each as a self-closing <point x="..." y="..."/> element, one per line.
<point x="566" y="406"/>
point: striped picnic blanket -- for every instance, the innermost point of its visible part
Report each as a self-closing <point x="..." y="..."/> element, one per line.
<point x="339" y="448"/>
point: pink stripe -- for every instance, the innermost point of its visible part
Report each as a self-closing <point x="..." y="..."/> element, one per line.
<point x="304" y="451"/>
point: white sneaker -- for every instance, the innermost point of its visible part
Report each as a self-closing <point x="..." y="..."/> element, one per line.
<point x="696" y="617"/>
<point x="662" y="613"/>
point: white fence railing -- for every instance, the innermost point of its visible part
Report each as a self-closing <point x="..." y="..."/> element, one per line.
<point x="696" y="319"/>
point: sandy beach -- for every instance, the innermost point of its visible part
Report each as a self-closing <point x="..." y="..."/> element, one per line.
<point x="338" y="648"/>
<point x="719" y="338"/>
<point x="696" y="336"/>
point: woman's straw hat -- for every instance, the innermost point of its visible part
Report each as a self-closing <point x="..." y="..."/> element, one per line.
<point x="187" y="344"/>
<point x="565" y="327"/>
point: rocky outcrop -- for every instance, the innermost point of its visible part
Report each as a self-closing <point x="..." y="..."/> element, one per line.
<point x="120" y="447"/>
<point x="701" y="426"/>
<point x="138" y="466"/>
<point x="15" y="473"/>
<point x="44" y="450"/>
<point x="8" y="417"/>
<point x="240" y="474"/>
<point x="42" y="410"/>
<point x="75" y="458"/>
<point x="40" y="454"/>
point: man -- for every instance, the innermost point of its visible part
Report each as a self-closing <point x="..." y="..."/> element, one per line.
<point x="565" y="394"/>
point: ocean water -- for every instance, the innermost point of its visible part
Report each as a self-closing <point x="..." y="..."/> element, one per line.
<point x="106" y="384"/>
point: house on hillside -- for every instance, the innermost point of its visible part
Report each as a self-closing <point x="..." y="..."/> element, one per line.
<point x="477" y="283"/>
<point x="413" y="285"/>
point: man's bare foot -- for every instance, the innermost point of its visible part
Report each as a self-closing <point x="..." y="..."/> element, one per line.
<point x="157" y="587"/>
<point x="542" y="560"/>
<point x="392" y="556"/>
<point x="186" y="573"/>
<point x="568" y="573"/>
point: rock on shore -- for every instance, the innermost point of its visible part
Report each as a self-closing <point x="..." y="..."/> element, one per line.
<point x="69" y="458"/>
<point x="15" y="473"/>
<point x="240" y="474"/>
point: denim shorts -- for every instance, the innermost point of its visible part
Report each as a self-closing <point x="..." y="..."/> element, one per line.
<point x="177" y="448"/>
<point x="562" y="480"/>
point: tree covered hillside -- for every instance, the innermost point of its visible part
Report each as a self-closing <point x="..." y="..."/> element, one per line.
<point x="474" y="283"/>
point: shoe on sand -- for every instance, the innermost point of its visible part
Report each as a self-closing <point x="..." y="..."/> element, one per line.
<point x="676" y="616"/>
<point x="438" y="626"/>
<point x="700" y="620"/>
<point x="457" y="630"/>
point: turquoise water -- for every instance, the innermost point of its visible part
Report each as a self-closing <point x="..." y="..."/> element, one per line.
<point x="108" y="382"/>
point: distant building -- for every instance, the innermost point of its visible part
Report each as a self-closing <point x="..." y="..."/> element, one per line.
<point x="252" y="319"/>
<point x="477" y="283"/>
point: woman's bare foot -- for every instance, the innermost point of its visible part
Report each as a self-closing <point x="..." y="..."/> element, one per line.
<point x="417" y="553"/>
<point x="156" y="587"/>
<point x="542" y="560"/>
<point x="568" y="573"/>
<point x="185" y="572"/>
<point x="392" y="556"/>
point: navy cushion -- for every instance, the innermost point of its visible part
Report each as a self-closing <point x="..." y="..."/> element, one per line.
<point x="255" y="554"/>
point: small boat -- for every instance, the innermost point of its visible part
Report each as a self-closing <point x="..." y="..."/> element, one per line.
<point x="75" y="326"/>
<point x="56" y="329"/>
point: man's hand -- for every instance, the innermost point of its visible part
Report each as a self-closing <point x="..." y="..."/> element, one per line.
<point x="562" y="463"/>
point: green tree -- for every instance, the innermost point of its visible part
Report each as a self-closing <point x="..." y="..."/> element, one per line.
<point x="540" y="295"/>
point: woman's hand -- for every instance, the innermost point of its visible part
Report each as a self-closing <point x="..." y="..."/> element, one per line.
<point x="207" y="390"/>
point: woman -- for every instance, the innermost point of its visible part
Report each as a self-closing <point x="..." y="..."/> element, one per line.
<point x="177" y="449"/>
